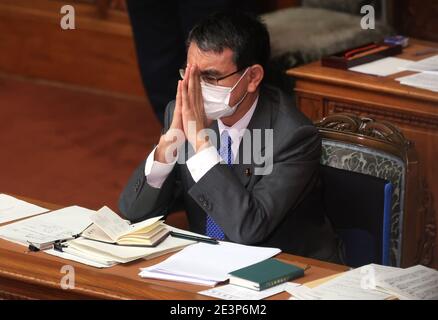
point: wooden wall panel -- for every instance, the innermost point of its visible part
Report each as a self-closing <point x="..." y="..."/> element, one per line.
<point x="97" y="54"/>
<point x="417" y="18"/>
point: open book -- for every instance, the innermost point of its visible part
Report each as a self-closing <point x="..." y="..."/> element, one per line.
<point x="110" y="228"/>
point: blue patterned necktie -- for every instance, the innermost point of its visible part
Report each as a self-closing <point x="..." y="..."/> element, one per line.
<point x="213" y="230"/>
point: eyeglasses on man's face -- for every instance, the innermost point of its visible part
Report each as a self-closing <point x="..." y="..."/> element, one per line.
<point x="210" y="79"/>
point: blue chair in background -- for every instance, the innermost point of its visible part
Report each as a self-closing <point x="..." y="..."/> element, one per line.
<point x="374" y="199"/>
<point x="359" y="207"/>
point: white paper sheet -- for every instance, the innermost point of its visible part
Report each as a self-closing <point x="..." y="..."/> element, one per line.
<point x="13" y="209"/>
<point x="212" y="262"/>
<point x="429" y="65"/>
<point x="428" y="81"/>
<point x="383" y="67"/>
<point x="232" y="292"/>
<point x="358" y="284"/>
<point x="417" y="283"/>
<point x="55" y="225"/>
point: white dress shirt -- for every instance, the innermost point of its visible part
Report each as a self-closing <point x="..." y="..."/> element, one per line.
<point x="200" y="163"/>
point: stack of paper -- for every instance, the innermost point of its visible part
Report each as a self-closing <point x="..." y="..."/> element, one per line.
<point x="47" y="228"/>
<point x="423" y="80"/>
<point x="416" y="283"/>
<point x="207" y="264"/>
<point x="71" y="221"/>
<point x="426" y="65"/>
<point x="427" y="78"/>
<point x="352" y="285"/>
<point x="87" y="261"/>
<point x="102" y="255"/>
<point x="374" y="282"/>
<point x="13" y="209"/>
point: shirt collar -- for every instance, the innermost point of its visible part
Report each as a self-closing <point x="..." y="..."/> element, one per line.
<point x="237" y="130"/>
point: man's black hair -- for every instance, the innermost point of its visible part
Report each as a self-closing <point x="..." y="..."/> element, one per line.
<point x="244" y="33"/>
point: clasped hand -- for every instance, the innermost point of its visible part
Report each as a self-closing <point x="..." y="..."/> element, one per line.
<point x="188" y="120"/>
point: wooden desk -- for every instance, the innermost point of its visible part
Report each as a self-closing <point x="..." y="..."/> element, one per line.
<point x="321" y="91"/>
<point x="37" y="275"/>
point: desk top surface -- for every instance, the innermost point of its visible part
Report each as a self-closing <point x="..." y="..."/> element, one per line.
<point x="120" y="281"/>
<point x="316" y="72"/>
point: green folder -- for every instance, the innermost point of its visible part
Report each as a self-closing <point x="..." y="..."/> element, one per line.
<point x="265" y="274"/>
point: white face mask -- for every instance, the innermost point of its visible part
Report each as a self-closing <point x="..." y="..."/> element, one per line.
<point x="217" y="99"/>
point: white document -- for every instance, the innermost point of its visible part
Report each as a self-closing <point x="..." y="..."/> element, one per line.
<point x="383" y="67"/>
<point x="13" y="209"/>
<point x="212" y="262"/>
<point x="424" y="80"/>
<point x="417" y="283"/>
<point x="358" y="284"/>
<point x="426" y="65"/>
<point x="232" y="292"/>
<point x="55" y="225"/>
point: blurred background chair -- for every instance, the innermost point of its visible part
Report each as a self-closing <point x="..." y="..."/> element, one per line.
<point x="305" y="33"/>
<point x="376" y="149"/>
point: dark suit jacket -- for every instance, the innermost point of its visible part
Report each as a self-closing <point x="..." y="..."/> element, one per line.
<point x="282" y="209"/>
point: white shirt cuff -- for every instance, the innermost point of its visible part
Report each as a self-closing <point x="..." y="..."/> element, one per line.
<point x="201" y="162"/>
<point x="156" y="172"/>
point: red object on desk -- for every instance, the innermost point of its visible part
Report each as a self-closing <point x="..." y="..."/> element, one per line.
<point x="360" y="55"/>
<point x="352" y="52"/>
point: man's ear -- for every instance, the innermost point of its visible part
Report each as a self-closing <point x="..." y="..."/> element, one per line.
<point x="256" y="74"/>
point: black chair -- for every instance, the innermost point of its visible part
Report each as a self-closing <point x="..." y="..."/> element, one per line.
<point x="359" y="207"/>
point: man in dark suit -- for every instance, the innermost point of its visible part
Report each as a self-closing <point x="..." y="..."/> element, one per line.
<point x="241" y="156"/>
